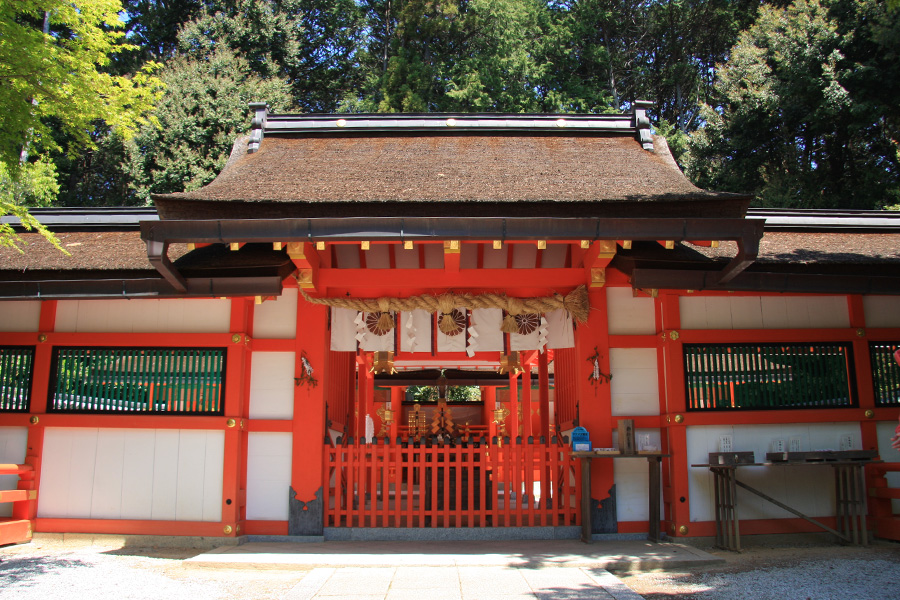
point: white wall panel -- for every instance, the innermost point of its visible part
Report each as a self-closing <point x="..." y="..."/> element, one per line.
<point x="885" y="430"/>
<point x="628" y="315"/>
<point x="272" y="385"/>
<point x="13" y="447"/>
<point x="766" y="312"/>
<point x="632" y="480"/>
<point x="635" y="381"/>
<point x="137" y="474"/>
<point x="809" y="489"/>
<point x="277" y="318"/>
<point x="20" y="315"/>
<point x="132" y="474"/>
<point x="882" y="311"/>
<point x="268" y="475"/>
<point x="144" y="316"/>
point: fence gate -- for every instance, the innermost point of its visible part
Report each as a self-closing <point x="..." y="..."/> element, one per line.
<point x="469" y="484"/>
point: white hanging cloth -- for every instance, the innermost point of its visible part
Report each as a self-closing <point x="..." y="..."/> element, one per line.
<point x="415" y="331"/>
<point x="484" y="332"/>
<point x="560" y="332"/>
<point x="451" y="343"/>
<point x="343" y="330"/>
<point x="369" y="341"/>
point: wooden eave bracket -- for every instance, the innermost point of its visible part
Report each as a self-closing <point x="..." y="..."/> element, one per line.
<point x="157" y="254"/>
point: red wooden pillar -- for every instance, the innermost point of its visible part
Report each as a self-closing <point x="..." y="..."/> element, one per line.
<point x="306" y="511"/>
<point x="362" y="389"/>
<point x="675" y="418"/>
<point x="397" y="395"/>
<point x="595" y="407"/>
<point x="490" y="403"/>
<point x="544" y="394"/>
<point x="878" y="507"/>
<point x="40" y="389"/>
<point x="525" y="432"/>
<point x="237" y="364"/>
<point x="512" y="422"/>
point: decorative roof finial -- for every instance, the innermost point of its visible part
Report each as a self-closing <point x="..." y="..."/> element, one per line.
<point x="258" y="125"/>
<point x="642" y="123"/>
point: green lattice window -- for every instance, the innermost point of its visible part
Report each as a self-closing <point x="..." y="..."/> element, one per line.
<point x="16" y="367"/>
<point x="149" y="380"/>
<point x="885" y="373"/>
<point x="768" y="376"/>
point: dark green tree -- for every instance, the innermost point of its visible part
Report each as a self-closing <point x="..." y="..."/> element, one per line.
<point x="792" y="123"/>
<point x="204" y="109"/>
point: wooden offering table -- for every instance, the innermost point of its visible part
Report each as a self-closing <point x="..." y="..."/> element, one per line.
<point x="850" y="490"/>
<point x="654" y="460"/>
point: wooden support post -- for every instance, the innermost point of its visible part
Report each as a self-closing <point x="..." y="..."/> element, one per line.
<point x="362" y="389"/>
<point x="512" y="423"/>
<point x="397" y="396"/>
<point x="526" y="429"/>
<point x="237" y="365"/>
<point x="675" y="425"/>
<point x="544" y="395"/>
<point x="306" y="510"/>
<point x="595" y="406"/>
<point x="490" y="403"/>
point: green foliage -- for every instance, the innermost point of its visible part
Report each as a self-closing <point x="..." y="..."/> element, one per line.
<point x="61" y="75"/>
<point x="798" y="123"/>
<point x="456" y="393"/>
<point x="204" y="109"/>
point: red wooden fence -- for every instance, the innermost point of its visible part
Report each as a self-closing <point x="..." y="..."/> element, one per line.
<point x="451" y="485"/>
<point x="24" y="500"/>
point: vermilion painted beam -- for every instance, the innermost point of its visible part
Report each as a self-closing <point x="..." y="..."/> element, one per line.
<point x="266" y="527"/>
<point x="132" y="527"/>
<point x="439" y="279"/>
<point x="763" y="417"/>
<point x="132" y="421"/>
<point x="634" y="341"/>
<point x="138" y="339"/>
<point x="738" y="336"/>
<point x="763" y="526"/>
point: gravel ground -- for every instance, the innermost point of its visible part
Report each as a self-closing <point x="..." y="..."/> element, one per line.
<point x="783" y="573"/>
<point x="50" y="569"/>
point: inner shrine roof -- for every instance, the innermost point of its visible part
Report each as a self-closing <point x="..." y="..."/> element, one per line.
<point x="484" y="165"/>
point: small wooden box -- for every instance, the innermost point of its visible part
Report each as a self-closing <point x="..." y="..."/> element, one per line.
<point x="626" y="436"/>
<point x="731" y="458"/>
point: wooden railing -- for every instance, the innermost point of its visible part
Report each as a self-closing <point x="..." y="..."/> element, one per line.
<point x="18" y="528"/>
<point x="451" y="485"/>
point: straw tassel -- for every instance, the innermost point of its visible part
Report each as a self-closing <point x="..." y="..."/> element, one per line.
<point x="509" y="324"/>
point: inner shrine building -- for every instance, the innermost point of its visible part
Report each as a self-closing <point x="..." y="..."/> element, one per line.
<point x="373" y="326"/>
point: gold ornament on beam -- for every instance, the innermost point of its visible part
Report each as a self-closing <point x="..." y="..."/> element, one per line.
<point x="383" y="362"/>
<point x="510" y="363"/>
<point x="500" y="415"/>
<point x="387" y="418"/>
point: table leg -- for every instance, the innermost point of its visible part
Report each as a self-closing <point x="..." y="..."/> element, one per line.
<point x="654" y="466"/>
<point x="586" y="534"/>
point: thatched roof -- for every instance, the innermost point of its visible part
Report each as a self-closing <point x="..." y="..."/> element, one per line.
<point x="411" y="172"/>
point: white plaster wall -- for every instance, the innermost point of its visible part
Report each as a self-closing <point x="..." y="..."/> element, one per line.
<point x="268" y="475"/>
<point x="882" y="311"/>
<point x="272" y="385"/>
<point x="132" y="474"/>
<point x="635" y="381"/>
<point x="276" y="319"/>
<point x="885" y="430"/>
<point x="144" y="316"/>
<point x="767" y="312"/>
<point x="632" y="480"/>
<point x="809" y="489"/>
<point x="13" y="446"/>
<point x="628" y="315"/>
<point x="20" y="315"/>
